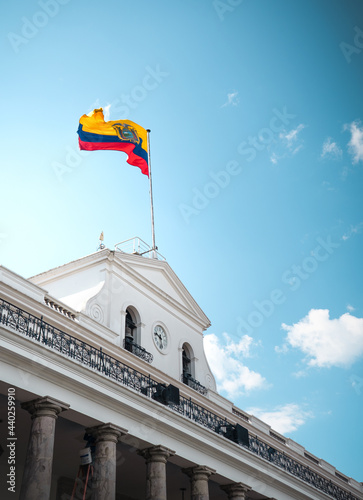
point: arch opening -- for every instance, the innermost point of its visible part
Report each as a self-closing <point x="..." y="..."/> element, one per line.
<point x="187" y="363"/>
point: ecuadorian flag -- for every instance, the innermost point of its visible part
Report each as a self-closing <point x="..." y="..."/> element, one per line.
<point x="120" y="135"/>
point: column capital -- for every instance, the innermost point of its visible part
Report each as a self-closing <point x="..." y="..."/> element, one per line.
<point x="45" y="407"/>
<point x="199" y="472"/>
<point x="107" y="432"/>
<point x="157" y="453"/>
<point x="236" y="490"/>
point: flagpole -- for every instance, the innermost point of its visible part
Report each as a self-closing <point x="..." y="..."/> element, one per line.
<point x="151" y="195"/>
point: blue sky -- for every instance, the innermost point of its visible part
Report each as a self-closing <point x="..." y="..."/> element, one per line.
<point x="256" y="118"/>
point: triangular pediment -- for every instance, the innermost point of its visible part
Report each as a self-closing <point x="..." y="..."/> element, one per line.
<point x="160" y="278"/>
<point x="153" y="277"/>
<point x="163" y="280"/>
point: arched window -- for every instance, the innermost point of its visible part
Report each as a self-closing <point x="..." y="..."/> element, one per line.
<point x="188" y="370"/>
<point x="131" y="330"/>
<point x="130" y="327"/>
<point x="187" y="363"/>
<point x="133" y="336"/>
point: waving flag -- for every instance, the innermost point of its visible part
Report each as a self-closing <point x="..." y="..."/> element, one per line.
<point x="120" y="135"/>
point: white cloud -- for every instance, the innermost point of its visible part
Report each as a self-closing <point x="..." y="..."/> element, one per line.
<point x="357" y="383"/>
<point x="327" y="342"/>
<point x="297" y="149"/>
<point x="352" y="231"/>
<point x="106" y="112"/>
<point x="283" y="419"/>
<point x="282" y="350"/>
<point x="232" y="99"/>
<point x="232" y="376"/>
<point x="286" y="145"/>
<point x="350" y="308"/>
<point x="356" y="141"/>
<point x="331" y="149"/>
<point x="300" y="374"/>
<point x="291" y="137"/>
<point x="274" y="158"/>
<point x="242" y="347"/>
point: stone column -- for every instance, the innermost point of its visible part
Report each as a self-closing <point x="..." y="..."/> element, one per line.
<point x="236" y="491"/>
<point x="199" y="476"/>
<point x="37" y="475"/>
<point x="104" y="477"/>
<point x="156" y="458"/>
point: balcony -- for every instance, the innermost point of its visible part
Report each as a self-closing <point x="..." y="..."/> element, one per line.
<point x="187" y="379"/>
<point x="136" y="349"/>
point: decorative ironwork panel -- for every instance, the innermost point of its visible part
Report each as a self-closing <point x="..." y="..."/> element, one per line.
<point x="297" y="469"/>
<point x="187" y="379"/>
<point x="136" y="349"/>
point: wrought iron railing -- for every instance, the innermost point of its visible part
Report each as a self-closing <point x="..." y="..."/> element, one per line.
<point x="199" y="414"/>
<point x="35" y="328"/>
<point x="136" y="349"/>
<point x="297" y="469"/>
<point x="194" y="384"/>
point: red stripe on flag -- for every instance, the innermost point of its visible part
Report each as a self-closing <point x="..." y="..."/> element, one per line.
<point x="117" y="146"/>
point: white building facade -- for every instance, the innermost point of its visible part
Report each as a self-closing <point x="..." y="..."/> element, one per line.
<point x="107" y="352"/>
